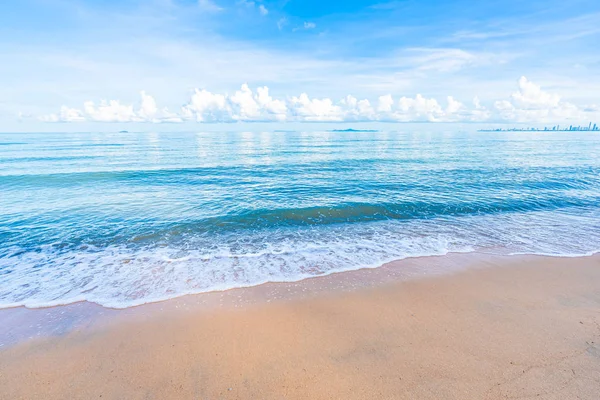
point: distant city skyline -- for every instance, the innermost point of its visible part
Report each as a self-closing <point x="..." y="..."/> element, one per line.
<point x="555" y="128"/>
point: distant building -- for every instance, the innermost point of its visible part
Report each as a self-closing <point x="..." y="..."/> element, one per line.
<point x="556" y="128"/>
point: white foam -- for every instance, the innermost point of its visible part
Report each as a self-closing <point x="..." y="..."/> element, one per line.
<point x="125" y="276"/>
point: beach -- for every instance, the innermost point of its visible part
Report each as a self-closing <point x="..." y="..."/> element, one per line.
<point x="266" y="200"/>
<point x="505" y="327"/>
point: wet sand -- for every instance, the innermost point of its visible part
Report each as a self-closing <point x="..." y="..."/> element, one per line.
<point x="522" y="327"/>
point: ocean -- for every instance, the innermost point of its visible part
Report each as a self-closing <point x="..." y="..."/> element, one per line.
<point x="129" y="218"/>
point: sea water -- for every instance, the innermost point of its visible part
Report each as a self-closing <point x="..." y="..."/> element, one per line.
<point x="129" y="218"/>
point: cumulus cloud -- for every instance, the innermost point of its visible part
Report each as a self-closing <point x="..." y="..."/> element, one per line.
<point x="276" y="108"/>
<point x="357" y="110"/>
<point x="114" y="111"/>
<point x="528" y="104"/>
<point x="306" y="109"/>
<point x="109" y="111"/>
<point x="263" y="10"/>
<point x="303" y="108"/>
<point x="406" y="109"/>
<point x="478" y="113"/>
<point x="309" y="25"/>
<point x="531" y="95"/>
<point x="453" y="105"/>
<point x="205" y="106"/>
<point x="385" y="103"/>
<point x="246" y="105"/>
<point x="148" y="108"/>
<point x="243" y="105"/>
<point x="65" y="114"/>
<point x="421" y="108"/>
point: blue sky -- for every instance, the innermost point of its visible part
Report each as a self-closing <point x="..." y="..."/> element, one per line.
<point x="402" y="59"/>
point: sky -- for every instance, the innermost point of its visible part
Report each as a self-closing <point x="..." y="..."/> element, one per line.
<point x="84" y="64"/>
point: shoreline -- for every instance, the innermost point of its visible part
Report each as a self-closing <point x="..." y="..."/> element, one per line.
<point x="22" y="323"/>
<point x="500" y="326"/>
<point x="60" y="319"/>
<point x="59" y="304"/>
<point x="408" y="260"/>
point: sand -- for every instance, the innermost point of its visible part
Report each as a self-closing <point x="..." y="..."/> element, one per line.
<point x="522" y="327"/>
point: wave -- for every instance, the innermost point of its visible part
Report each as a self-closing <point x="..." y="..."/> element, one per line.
<point x="100" y="230"/>
<point x="120" y="276"/>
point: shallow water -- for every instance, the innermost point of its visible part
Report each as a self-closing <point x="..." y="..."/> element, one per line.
<point x="124" y="219"/>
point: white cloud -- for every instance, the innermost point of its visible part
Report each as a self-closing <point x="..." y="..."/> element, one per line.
<point x="454" y="106"/>
<point x="243" y="105"/>
<point x="109" y="111"/>
<point x="276" y="108"/>
<point x="169" y="117"/>
<point x="66" y="114"/>
<point x="305" y="109"/>
<point x="446" y="60"/>
<point x="418" y="108"/>
<point x="205" y="106"/>
<point x="532" y="104"/>
<point x="246" y="108"/>
<point x="114" y="111"/>
<point x="479" y="113"/>
<point x="251" y="4"/>
<point x="385" y="103"/>
<point x="281" y="23"/>
<point x="306" y="25"/>
<point x="148" y="108"/>
<point x="528" y="104"/>
<point x="209" y="6"/>
<point x="532" y="96"/>
<point x="357" y="110"/>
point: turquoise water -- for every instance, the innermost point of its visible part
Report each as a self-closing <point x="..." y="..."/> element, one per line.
<point x="124" y="219"/>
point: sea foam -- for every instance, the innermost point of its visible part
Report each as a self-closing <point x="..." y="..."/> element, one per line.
<point x="124" y="276"/>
